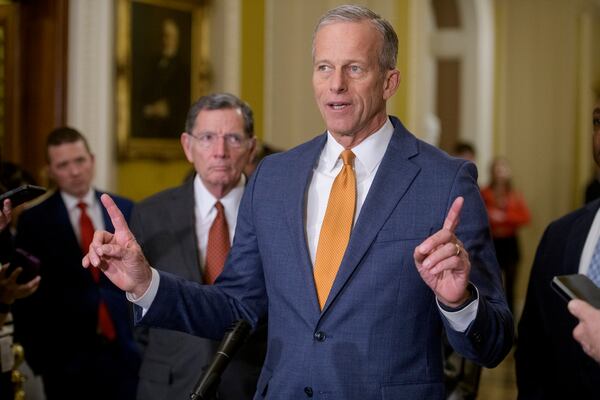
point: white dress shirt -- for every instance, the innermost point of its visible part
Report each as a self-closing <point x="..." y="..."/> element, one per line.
<point x="206" y="212"/>
<point x="590" y="245"/>
<point x="93" y="210"/>
<point x="368" y="155"/>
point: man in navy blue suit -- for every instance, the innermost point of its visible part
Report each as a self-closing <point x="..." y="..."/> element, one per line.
<point x="550" y="364"/>
<point x="407" y="269"/>
<point x="76" y="329"/>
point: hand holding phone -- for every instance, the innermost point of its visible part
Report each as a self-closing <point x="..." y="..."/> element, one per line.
<point x="22" y="194"/>
<point x="28" y="262"/>
<point x="577" y="286"/>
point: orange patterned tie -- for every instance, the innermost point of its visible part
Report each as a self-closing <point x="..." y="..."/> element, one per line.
<point x="217" y="246"/>
<point x="336" y="228"/>
<point x="105" y="324"/>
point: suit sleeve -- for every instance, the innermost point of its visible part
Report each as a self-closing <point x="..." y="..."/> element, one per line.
<point x="490" y="336"/>
<point x="140" y="332"/>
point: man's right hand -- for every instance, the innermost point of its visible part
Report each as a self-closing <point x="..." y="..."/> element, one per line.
<point x="5" y="214"/>
<point x="118" y="255"/>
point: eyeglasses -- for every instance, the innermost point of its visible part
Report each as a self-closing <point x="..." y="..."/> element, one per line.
<point x="233" y="140"/>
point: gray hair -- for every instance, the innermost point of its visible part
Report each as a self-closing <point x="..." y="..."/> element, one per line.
<point x="220" y="101"/>
<point x="356" y="13"/>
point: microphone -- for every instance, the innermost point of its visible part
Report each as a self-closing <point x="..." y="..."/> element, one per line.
<point x="206" y="387"/>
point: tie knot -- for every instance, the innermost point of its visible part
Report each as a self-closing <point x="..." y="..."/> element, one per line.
<point x="347" y="157"/>
<point x="82" y="206"/>
<point x="219" y="207"/>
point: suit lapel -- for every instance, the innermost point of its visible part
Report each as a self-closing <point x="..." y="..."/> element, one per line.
<point x="576" y="241"/>
<point x="181" y="222"/>
<point x="394" y="177"/>
<point x="189" y="242"/>
<point x="296" y="192"/>
<point x="62" y="220"/>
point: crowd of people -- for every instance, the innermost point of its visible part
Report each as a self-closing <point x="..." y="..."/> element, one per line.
<point x="359" y="259"/>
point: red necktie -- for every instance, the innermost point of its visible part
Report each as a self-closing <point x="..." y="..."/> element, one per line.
<point x="105" y="325"/>
<point x="217" y="246"/>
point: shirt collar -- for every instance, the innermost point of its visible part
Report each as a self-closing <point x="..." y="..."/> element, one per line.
<point x="205" y="201"/>
<point x="369" y="152"/>
<point x="71" y="201"/>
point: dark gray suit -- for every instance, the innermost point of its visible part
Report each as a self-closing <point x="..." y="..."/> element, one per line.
<point x="164" y="226"/>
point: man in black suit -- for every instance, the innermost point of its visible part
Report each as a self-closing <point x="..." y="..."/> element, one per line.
<point x="76" y="329"/>
<point x="174" y="230"/>
<point x="550" y="363"/>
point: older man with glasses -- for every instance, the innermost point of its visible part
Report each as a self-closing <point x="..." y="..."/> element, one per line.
<point x="187" y="231"/>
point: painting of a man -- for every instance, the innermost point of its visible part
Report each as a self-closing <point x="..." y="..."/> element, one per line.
<point x="161" y="58"/>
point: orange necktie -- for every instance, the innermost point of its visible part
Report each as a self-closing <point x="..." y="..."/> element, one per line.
<point x="105" y="325"/>
<point x="217" y="246"/>
<point x="336" y="228"/>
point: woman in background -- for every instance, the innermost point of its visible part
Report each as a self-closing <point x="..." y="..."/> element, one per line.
<point x="507" y="212"/>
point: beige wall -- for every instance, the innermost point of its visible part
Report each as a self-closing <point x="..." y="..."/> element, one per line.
<point x="539" y="84"/>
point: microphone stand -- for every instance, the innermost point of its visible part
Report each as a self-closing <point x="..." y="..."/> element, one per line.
<point x="206" y="388"/>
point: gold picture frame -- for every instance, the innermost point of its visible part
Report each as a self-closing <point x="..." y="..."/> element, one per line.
<point x="162" y="53"/>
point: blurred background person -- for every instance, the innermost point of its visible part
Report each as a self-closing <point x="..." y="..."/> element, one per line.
<point x="550" y="363"/>
<point x="592" y="190"/>
<point x="507" y="212"/>
<point x="10" y="291"/>
<point x="76" y="329"/>
<point x="262" y="150"/>
<point x="464" y="150"/>
<point x="11" y="177"/>
<point x="179" y="230"/>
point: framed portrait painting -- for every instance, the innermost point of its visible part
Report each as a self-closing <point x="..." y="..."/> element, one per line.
<point x="162" y="67"/>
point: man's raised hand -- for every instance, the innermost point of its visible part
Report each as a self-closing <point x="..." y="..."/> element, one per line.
<point x="118" y="255"/>
<point x="443" y="262"/>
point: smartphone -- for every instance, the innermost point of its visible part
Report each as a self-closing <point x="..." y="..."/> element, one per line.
<point x="577" y="286"/>
<point x="29" y="263"/>
<point x="22" y="194"/>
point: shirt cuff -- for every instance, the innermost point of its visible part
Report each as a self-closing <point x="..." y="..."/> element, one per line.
<point x="145" y="300"/>
<point x="461" y="319"/>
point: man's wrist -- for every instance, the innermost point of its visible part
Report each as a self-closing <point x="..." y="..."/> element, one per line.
<point x="468" y="298"/>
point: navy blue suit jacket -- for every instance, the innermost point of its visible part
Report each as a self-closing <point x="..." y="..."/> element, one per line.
<point x="550" y="363"/>
<point x="379" y="334"/>
<point x="57" y="325"/>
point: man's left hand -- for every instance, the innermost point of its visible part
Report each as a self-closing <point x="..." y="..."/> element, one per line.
<point x="443" y="262"/>
<point x="587" y="332"/>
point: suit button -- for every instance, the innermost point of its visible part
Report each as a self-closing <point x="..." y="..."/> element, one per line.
<point x="319" y="336"/>
<point x="309" y="392"/>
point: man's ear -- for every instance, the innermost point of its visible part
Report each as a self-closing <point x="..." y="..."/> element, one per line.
<point x="186" y="145"/>
<point x="253" y="149"/>
<point x="391" y="83"/>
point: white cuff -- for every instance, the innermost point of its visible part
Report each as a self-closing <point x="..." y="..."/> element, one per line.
<point x="461" y="319"/>
<point x="145" y="300"/>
